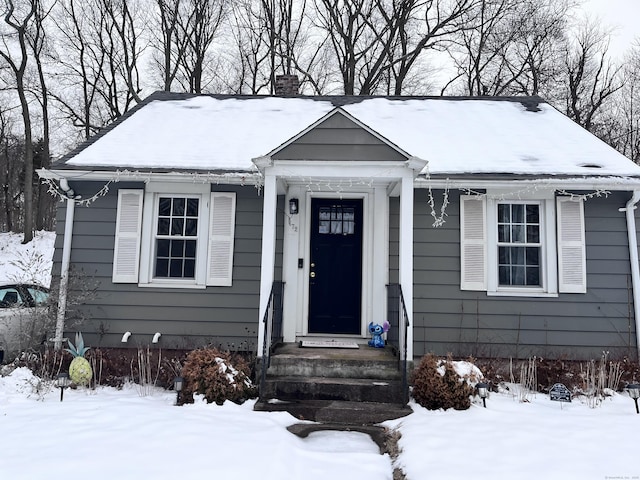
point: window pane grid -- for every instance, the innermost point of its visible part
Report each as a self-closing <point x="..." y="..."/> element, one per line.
<point x="177" y="228"/>
<point x="519" y="247"/>
<point x="337" y="220"/>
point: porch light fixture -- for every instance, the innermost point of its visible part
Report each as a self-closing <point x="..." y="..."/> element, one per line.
<point x="483" y="390"/>
<point x="63" y="381"/>
<point x="177" y="386"/>
<point x="293" y="206"/>
<point x="634" y="392"/>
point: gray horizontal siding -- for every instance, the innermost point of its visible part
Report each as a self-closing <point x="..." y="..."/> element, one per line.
<point x="338" y="138"/>
<point x="223" y="316"/>
<point x="447" y="319"/>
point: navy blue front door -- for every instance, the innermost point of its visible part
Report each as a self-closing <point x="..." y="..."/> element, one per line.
<point x="335" y="268"/>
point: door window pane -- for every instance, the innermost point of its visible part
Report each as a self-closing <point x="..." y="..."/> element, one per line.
<point x="336" y="220"/>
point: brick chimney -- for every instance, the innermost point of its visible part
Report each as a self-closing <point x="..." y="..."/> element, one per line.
<point x="287" y="85"/>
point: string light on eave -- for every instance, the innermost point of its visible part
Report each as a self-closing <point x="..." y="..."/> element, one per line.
<point x="59" y="192"/>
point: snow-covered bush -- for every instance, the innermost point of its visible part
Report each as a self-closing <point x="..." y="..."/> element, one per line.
<point x="436" y="384"/>
<point x="217" y="376"/>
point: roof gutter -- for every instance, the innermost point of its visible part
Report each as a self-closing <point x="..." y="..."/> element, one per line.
<point x="629" y="210"/>
<point x="225" y="178"/>
<point x="568" y="183"/>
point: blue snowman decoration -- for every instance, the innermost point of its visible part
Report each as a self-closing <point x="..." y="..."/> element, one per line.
<point x="376" y="330"/>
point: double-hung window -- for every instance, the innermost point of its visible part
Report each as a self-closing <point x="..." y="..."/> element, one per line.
<point x="519" y="245"/>
<point x="526" y="247"/>
<point x="174" y="236"/>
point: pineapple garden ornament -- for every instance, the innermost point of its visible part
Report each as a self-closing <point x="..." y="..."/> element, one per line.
<point x="79" y="371"/>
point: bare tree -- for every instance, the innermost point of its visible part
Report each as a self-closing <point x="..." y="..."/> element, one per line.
<point x="121" y="40"/>
<point x="169" y="42"/>
<point x="199" y="22"/>
<point x="82" y="61"/>
<point x="100" y="53"/>
<point x="591" y="77"/>
<point x="516" y="48"/>
<point x="19" y="22"/>
<point x="348" y="27"/>
<point x="9" y="177"/>
<point x="37" y="41"/>
<point x="619" y="119"/>
<point x="478" y="53"/>
<point x="378" y="43"/>
<point x="273" y="37"/>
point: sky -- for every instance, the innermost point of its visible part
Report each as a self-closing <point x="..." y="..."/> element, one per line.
<point x="623" y="15"/>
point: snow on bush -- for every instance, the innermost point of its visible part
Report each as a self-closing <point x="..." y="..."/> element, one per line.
<point x="217" y="376"/>
<point x="444" y="384"/>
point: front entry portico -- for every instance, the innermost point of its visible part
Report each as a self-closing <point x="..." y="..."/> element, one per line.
<point x="335" y="244"/>
<point x="307" y="309"/>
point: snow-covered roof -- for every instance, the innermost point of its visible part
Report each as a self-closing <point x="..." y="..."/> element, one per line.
<point x="455" y="135"/>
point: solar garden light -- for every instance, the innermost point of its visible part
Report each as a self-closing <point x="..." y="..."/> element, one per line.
<point x="634" y="392"/>
<point x="177" y="386"/>
<point x="63" y="381"/>
<point x="483" y="390"/>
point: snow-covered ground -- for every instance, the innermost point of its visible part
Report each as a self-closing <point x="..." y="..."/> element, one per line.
<point x="108" y="433"/>
<point x="30" y="263"/>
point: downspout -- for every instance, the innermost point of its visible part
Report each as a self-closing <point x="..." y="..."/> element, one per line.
<point x="64" y="273"/>
<point x="633" y="258"/>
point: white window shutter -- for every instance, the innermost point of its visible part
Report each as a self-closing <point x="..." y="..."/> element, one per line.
<point x="572" y="264"/>
<point x="473" y="243"/>
<point x="126" y="253"/>
<point x="221" y="233"/>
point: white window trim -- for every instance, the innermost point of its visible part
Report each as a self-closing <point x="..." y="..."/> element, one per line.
<point x="548" y="274"/>
<point x="149" y="219"/>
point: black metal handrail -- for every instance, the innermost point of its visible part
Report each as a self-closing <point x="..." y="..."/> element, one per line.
<point x="399" y="325"/>
<point x="272" y="321"/>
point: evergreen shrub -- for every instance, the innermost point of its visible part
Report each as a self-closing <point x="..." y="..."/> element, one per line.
<point x="437" y="385"/>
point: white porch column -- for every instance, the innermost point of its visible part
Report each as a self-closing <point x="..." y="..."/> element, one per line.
<point x="291" y="273"/>
<point x="269" y="193"/>
<point x="406" y="253"/>
<point x="380" y="264"/>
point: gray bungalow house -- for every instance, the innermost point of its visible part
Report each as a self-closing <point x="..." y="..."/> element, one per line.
<point x="484" y="226"/>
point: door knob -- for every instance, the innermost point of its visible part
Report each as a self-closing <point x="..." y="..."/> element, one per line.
<point x="312" y="274"/>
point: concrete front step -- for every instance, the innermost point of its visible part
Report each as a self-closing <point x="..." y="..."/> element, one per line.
<point x="326" y="367"/>
<point x="338" y="412"/>
<point x="294" y="388"/>
<point x="290" y="360"/>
